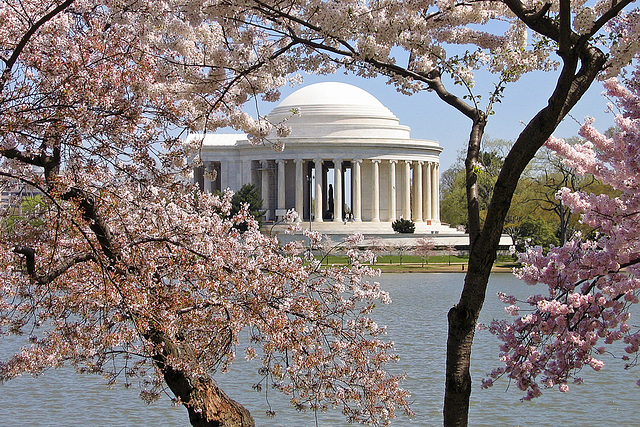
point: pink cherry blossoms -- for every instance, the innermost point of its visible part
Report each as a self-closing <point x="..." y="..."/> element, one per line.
<point x="187" y="272"/>
<point x="592" y="280"/>
<point x="117" y="266"/>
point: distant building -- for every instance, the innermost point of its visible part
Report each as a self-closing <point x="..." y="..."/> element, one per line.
<point x="13" y="192"/>
<point x="348" y="165"/>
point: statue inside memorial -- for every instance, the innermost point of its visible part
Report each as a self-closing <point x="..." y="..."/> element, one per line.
<point x="329" y="214"/>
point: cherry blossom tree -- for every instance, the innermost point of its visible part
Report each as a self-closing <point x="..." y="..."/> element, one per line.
<point x="427" y="45"/>
<point x="401" y="249"/>
<point x="126" y="270"/>
<point x="424" y="248"/>
<point x="592" y="283"/>
<point x="451" y="251"/>
<point x="378" y="246"/>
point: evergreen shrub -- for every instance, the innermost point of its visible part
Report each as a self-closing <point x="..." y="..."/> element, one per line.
<point x="403" y="226"/>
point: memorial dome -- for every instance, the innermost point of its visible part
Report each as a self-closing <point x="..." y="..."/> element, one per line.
<point x="317" y="97"/>
<point x="337" y="110"/>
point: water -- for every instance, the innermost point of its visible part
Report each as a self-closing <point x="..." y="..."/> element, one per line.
<point x="416" y="322"/>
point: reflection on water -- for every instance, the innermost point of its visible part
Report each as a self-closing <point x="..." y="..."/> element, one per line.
<point x="416" y="323"/>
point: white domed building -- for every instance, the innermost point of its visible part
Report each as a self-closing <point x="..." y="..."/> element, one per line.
<point x="348" y="165"/>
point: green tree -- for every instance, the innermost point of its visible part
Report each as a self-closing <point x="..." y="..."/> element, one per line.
<point x="453" y="208"/>
<point x="454" y="198"/>
<point x="524" y="207"/>
<point x="27" y="214"/>
<point x="248" y="194"/>
<point x="551" y="175"/>
<point x="538" y="232"/>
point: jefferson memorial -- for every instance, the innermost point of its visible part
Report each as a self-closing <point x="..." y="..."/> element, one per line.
<point x="348" y="164"/>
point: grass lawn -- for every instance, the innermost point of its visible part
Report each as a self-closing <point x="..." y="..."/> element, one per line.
<point x="434" y="264"/>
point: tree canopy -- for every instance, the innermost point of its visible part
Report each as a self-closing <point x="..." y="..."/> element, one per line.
<point x="129" y="272"/>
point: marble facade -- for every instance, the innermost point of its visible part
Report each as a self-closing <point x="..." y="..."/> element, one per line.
<point x="347" y="166"/>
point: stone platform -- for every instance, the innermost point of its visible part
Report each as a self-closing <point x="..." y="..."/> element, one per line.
<point x="368" y="228"/>
<point x="441" y="234"/>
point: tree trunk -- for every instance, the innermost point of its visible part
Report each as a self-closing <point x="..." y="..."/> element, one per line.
<point x="463" y="317"/>
<point x="565" y="215"/>
<point x="471" y="175"/>
<point x="462" y="322"/>
<point x="206" y="403"/>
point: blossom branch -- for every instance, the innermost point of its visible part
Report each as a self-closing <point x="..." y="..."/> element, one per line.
<point x="20" y="46"/>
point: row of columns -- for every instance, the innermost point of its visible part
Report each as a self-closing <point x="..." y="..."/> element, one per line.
<point x="425" y="187"/>
<point x="426" y="194"/>
<point x="426" y="191"/>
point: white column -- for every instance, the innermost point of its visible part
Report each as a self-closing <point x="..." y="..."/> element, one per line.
<point x="207" y="171"/>
<point x="357" y="191"/>
<point x="435" y="199"/>
<point x="417" y="192"/>
<point x="246" y="172"/>
<point x="318" y="201"/>
<point x="224" y="175"/>
<point x="281" y="185"/>
<point x="300" y="181"/>
<point x="426" y="191"/>
<point x="264" y="165"/>
<point x="375" y="208"/>
<point x="436" y="213"/>
<point x="406" y="189"/>
<point x="337" y="189"/>
<point x="392" y="190"/>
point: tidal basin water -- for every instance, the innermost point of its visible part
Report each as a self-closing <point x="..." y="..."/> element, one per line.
<point x="416" y="323"/>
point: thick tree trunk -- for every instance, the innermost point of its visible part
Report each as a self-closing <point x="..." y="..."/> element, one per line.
<point x="462" y="323"/>
<point x="206" y="403"/>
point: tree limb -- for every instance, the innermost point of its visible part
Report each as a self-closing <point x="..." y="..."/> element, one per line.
<point x="9" y="63"/>
<point x="30" y="258"/>
<point x="66" y="264"/>
<point x="96" y="223"/>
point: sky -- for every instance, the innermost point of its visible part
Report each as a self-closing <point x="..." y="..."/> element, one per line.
<point x="430" y="118"/>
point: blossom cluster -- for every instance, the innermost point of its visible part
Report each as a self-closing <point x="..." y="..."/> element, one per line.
<point x="592" y="280"/>
<point x="451" y="37"/>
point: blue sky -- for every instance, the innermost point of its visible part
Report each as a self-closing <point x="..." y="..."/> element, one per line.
<point x="430" y="118"/>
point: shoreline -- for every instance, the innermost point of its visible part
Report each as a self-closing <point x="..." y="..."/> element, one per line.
<point x="438" y="268"/>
